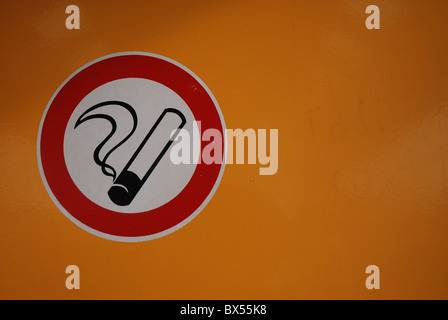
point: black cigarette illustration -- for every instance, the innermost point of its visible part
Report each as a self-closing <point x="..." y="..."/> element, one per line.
<point x="129" y="182"/>
<point x="147" y="156"/>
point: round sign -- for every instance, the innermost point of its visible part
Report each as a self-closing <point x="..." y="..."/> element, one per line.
<point x="105" y="144"/>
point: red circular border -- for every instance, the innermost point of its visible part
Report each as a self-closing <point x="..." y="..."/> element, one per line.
<point x="52" y="141"/>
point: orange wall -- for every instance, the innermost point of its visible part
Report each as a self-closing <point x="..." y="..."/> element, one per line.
<point x="363" y="150"/>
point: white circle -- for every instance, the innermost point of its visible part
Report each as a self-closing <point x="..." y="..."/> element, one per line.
<point x="149" y="99"/>
<point x="125" y="238"/>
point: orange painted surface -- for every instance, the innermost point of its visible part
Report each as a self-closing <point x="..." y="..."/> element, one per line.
<point x="363" y="150"/>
